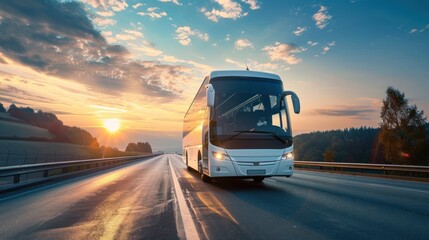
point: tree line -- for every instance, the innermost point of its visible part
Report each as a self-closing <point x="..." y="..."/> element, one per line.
<point x="348" y="145"/>
<point x="49" y="121"/>
<point x="143" y="147"/>
<point x="402" y="138"/>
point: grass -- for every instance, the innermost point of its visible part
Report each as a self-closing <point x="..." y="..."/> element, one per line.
<point x="15" y="129"/>
<point x="7" y="117"/>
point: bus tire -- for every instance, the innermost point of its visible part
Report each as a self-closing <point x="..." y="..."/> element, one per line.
<point x="258" y="179"/>
<point x="187" y="166"/>
<point x="204" y="177"/>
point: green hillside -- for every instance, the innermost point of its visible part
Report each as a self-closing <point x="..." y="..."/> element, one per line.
<point x="11" y="129"/>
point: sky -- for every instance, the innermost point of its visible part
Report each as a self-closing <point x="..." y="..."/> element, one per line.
<point x="142" y="61"/>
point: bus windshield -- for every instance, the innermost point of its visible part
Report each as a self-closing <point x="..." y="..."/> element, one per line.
<point x="249" y="109"/>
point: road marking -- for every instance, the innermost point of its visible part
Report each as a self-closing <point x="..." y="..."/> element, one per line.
<point x="188" y="222"/>
<point x="399" y="188"/>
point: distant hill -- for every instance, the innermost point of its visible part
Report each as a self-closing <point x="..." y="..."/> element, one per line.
<point x="357" y="145"/>
<point x="10" y="130"/>
<point x="4" y="116"/>
<point x="20" y="123"/>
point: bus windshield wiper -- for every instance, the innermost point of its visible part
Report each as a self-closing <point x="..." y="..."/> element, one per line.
<point x="264" y="132"/>
<point x="235" y="135"/>
<point x="272" y="134"/>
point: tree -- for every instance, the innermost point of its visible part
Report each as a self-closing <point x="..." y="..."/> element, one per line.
<point x="2" y="109"/>
<point x="402" y="134"/>
<point x="139" y="147"/>
<point x="329" y="155"/>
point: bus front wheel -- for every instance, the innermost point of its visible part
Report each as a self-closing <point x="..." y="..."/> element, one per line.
<point x="204" y="177"/>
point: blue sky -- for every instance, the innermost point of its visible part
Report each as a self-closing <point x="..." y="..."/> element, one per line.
<point x="142" y="61"/>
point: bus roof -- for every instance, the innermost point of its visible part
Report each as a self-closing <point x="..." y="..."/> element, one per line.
<point x="243" y="73"/>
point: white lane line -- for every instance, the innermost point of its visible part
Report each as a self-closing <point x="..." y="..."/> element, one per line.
<point x="398" y="188"/>
<point x="188" y="222"/>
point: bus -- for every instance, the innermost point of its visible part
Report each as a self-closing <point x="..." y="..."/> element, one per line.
<point x="238" y="125"/>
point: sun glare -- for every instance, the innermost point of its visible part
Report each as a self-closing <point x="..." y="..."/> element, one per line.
<point x="112" y="125"/>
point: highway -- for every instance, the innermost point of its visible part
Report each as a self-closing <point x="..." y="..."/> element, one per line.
<point x="157" y="198"/>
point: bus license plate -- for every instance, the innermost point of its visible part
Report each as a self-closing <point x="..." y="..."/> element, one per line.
<point x="256" y="172"/>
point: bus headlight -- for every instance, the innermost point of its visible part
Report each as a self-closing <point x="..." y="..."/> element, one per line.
<point x="287" y="156"/>
<point x="220" y="156"/>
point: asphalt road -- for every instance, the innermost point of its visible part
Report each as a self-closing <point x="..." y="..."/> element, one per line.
<point x="143" y="200"/>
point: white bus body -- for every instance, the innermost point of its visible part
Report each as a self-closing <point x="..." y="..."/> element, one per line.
<point x="238" y="125"/>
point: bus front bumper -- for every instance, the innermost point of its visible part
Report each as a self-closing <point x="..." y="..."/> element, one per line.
<point x="231" y="168"/>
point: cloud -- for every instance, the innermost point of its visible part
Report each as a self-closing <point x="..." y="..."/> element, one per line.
<point x="134" y="33"/>
<point x="233" y="62"/>
<point x="58" y="39"/>
<point x="321" y="17"/>
<point x="283" y="52"/>
<point x="147" y="49"/>
<point x="327" y="47"/>
<point x="106" y="13"/>
<point x="151" y="12"/>
<point x="299" y="30"/>
<point x="184" y="33"/>
<point x="202" y="67"/>
<point x="108" y="35"/>
<point x="254" y="5"/>
<point x="173" y="1"/>
<point x="228" y="37"/>
<point x="115" y="5"/>
<point x="414" y="30"/>
<point x="137" y="5"/>
<point x="357" y="112"/>
<point x="229" y="9"/>
<point x="125" y="37"/>
<point x="102" y="22"/>
<point x="255" y="65"/>
<point x="311" y="43"/>
<point x="242" y="43"/>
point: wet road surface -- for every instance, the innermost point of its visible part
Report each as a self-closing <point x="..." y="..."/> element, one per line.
<point x="142" y="201"/>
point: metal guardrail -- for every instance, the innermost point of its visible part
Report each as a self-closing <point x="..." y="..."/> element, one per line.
<point x="389" y="170"/>
<point x="14" y="157"/>
<point x="15" y="176"/>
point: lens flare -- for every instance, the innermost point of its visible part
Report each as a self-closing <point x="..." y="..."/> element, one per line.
<point x="112" y="125"/>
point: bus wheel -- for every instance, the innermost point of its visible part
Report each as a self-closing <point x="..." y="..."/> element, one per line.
<point x="187" y="166"/>
<point x="204" y="177"/>
<point x="258" y="179"/>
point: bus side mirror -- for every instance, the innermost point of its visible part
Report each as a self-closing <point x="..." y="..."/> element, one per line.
<point x="210" y="93"/>
<point x="295" y="100"/>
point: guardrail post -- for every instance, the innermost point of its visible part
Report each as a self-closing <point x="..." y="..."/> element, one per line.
<point x="45" y="173"/>
<point x="7" y="158"/>
<point x="16" y="178"/>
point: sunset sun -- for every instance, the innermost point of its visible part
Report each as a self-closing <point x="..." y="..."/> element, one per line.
<point x="112" y="125"/>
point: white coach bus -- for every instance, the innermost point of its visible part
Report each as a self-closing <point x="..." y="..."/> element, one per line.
<point x="238" y="125"/>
